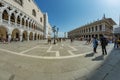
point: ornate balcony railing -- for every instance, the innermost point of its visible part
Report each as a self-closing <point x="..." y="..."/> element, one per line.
<point x="5" y="21"/>
<point x="18" y="25"/>
<point x="13" y="24"/>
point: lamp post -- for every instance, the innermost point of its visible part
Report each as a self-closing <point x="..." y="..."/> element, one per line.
<point x="57" y="32"/>
<point x="54" y="30"/>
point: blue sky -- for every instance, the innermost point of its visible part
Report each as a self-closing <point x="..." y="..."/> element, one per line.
<point x="70" y="14"/>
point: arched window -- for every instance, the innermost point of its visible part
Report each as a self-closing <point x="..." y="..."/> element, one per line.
<point x="5" y="15"/>
<point x="100" y="27"/>
<point x="12" y="18"/>
<point x="34" y="12"/>
<point x="41" y="19"/>
<point x="26" y="22"/>
<point x="29" y="24"/>
<point x="32" y="25"/>
<point x="18" y="19"/>
<point x="1" y="5"/>
<point x="23" y="21"/>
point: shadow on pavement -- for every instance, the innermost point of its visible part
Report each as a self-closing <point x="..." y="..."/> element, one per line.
<point x="101" y="57"/>
<point x="103" y="70"/>
<point x="89" y="55"/>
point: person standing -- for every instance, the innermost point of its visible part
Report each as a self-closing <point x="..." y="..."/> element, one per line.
<point x="115" y="42"/>
<point x="104" y="43"/>
<point x="95" y="44"/>
<point x="119" y="43"/>
<point x="71" y="39"/>
<point x="49" y="40"/>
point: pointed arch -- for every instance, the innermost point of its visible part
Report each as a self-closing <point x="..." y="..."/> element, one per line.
<point x="18" y="19"/>
<point x="12" y="17"/>
<point x="5" y="15"/>
<point x="15" y="34"/>
<point x="34" y="12"/>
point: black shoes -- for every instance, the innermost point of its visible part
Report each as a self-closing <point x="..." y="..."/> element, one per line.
<point x="104" y="54"/>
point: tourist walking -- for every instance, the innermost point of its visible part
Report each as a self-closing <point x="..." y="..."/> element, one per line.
<point x="118" y="42"/>
<point x="95" y="44"/>
<point x="104" y="43"/>
<point x="115" y="42"/>
<point x="71" y="39"/>
<point x="49" y="40"/>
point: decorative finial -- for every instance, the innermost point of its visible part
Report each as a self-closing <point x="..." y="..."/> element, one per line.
<point x="104" y="16"/>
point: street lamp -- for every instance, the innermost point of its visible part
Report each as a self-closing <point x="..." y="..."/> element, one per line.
<point x="54" y="30"/>
<point x="57" y="32"/>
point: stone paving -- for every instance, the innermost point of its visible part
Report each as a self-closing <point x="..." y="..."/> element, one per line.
<point x="37" y="60"/>
<point x="38" y="48"/>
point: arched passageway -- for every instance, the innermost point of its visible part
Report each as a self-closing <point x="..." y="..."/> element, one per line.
<point x="3" y="34"/>
<point x="25" y="35"/>
<point x="15" y="35"/>
<point x="38" y="37"/>
<point x="31" y="36"/>
<point x="35" y="37"/>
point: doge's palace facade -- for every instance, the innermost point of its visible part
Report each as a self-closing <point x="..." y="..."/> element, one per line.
<point x="21" y="20"/>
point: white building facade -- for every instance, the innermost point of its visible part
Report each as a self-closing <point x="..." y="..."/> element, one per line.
<point x="94" y="29"/>
<point x="47" y="27"/>
<point x="116" y="30"/>
<point x="21" y="20"/>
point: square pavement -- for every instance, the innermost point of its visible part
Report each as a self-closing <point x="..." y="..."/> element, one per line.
<point x="37" y="60"/>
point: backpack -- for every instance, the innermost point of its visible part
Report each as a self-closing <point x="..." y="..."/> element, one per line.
<point x="106" y="41"/>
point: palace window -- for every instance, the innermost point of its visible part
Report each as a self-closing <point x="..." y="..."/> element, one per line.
<point x="26" y="22"/>
<point x="92" y="29"/>
<point x="1" y="5"/>
<point x="41" y="19"/>
<point x="5" y="15"/>
<point x="96" y="28"/>
<point x="23" y="21"/>
<point x="29" y="24"/>
<point x="20" y="2"/>
<point x="100" y="27"/>
<point x="18" y="19"/>
<point x="34" y="12"/>
<point x="12" y="18"/>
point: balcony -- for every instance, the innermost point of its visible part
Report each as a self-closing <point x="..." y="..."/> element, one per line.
<point x="4" y="21"/>
<point x="13" y="24"/>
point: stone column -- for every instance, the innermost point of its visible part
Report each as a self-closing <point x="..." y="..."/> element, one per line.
<point x="9" y="20"/>
<point x="16" y="21"/>
<point x="98" y="29"/>
<point x="103" y="27"/>
<point x="21" y="37"/>
<point x="33" y="37"/>
<point x="20" y="22"/>
<point x="27" y="37"/>
<point x="9" y="38"/>
<point x="95" y="29"/>
<point x="28" y="25"/>
<point x="0" y="16"/>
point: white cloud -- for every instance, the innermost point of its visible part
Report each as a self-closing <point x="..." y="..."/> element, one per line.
<point x="111" y="3"/>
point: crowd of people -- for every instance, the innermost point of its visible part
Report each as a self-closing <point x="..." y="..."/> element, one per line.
<point x="116" y="42"/>
<point x="57" y="40"/>
<point x="103" y="41"/>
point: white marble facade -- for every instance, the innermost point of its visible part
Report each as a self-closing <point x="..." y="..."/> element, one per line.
<point x="21" y="20"/>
